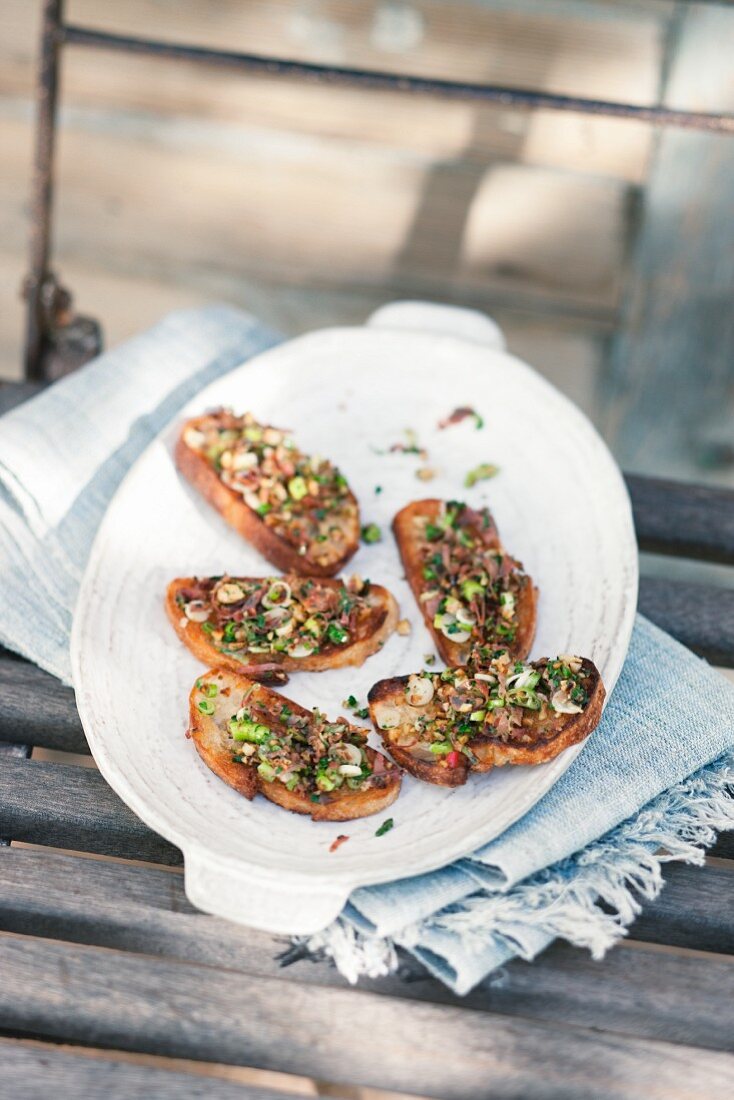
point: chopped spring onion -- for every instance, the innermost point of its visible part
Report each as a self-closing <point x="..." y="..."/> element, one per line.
<point x="523" y="698"/>
<point x="197" y="611"/>
<point x="278" y="595"/>
<point x="297" y="488"/>
<point x="245" y="729"/>
<point x="528" y="678"/>
<point x="480" y="473"/>
<point x="470" y="589"/>
<point x="371" y="533"/>
<point x="314" y="626"/>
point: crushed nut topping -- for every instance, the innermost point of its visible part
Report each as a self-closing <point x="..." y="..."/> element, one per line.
<point x="290" y="615"/>
<point x="306" y="752"/>
<point x="471" y="586"/>
<point x="509" y="701"/>
<point x="303" y="498"/>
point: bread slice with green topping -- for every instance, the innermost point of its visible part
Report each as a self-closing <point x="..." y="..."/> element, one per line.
<point x="266" y="627"/>
<point x="440" y="726"/>
<point x="296" y="509"/>
<point x="473" y="595"/>
<point x="258" y="741"/>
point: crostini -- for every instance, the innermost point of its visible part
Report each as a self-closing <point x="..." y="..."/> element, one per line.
<point x="258" y="741"/>
<point x="265" y="627"/>
<point x="296" y="509"/>
<point x="440" y="726"/>
<point x="474" y="596"/>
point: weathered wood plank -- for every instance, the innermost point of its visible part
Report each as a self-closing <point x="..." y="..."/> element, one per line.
<point x="66" y="806"/>
<point x="693" y="521"/>
<point x="15" y="393"/>
<point x="585" y="49"/>
<point x="29" y="1071"/>
<point x="700" y="616"/>
<point x="724" y="846"/>
<point x="671" y="367"/>
<point x="36" y="709"/>
<point x="144" y="910"/>
<point x="594" y="49"/>
<point x="306" y="231"/>
<point x="130" y="1002"/>
<point x="16" y="752"/>
<point x="694" y="910"/>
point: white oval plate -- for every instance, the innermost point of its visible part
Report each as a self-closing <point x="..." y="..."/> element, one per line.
<point x="560" y="505"/>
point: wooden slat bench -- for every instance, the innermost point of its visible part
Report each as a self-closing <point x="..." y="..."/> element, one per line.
<point x="105" y="954"/>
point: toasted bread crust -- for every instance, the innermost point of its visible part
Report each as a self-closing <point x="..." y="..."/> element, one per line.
<point x="215" y="748"/>
<point x="490" y="753"/>
<point x="207" y="738"/>
<point x="404" y="530"/>
<point x="274" y="667"/>
<point x="230" y="505"/>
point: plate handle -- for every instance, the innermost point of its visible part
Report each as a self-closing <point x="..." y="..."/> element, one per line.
<point x="248" y="897"/>
<point x="469" y="324"/>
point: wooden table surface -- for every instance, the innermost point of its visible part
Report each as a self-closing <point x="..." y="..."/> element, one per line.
<point x="111" y="955"/>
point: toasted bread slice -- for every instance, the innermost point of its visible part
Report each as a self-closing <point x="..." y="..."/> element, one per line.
<point x="258" y="741"/>
<point x="266" y="627"/>
<point x="297" y="510"/>
<point x="474" y="597"/>
<point x="440" y="726"/>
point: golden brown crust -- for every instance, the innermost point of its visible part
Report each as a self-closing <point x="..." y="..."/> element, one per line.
<point x="208" y="732"/>
<point x="207" y="738"/>
<point x="230" y="505"/>
<point x="409" y="546"/>
<point x="490" y="753"/>
<point x="274" y="667"/>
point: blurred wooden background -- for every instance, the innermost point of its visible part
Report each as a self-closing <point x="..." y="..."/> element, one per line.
<point x="179" y="184"/>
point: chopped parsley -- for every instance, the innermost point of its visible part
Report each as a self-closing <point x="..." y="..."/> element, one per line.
<point x="371" y="533"/>
<point x="352" y="704"/>
<point x="480" y="473"/>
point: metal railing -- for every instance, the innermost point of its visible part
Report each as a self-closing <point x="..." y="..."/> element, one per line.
<point x="57" y="340"/>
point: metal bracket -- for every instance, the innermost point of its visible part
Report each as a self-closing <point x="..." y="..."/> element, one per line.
<point x="66" y="339"/>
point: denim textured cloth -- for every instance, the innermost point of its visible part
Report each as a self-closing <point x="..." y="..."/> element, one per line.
<point x="653" y="782"/>
<point x="63" y="454"/>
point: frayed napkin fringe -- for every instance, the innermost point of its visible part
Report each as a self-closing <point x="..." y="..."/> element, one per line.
<point x="619" y="871"/>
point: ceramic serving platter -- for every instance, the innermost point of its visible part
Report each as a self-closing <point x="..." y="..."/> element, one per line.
<point x="350" y="393"/>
